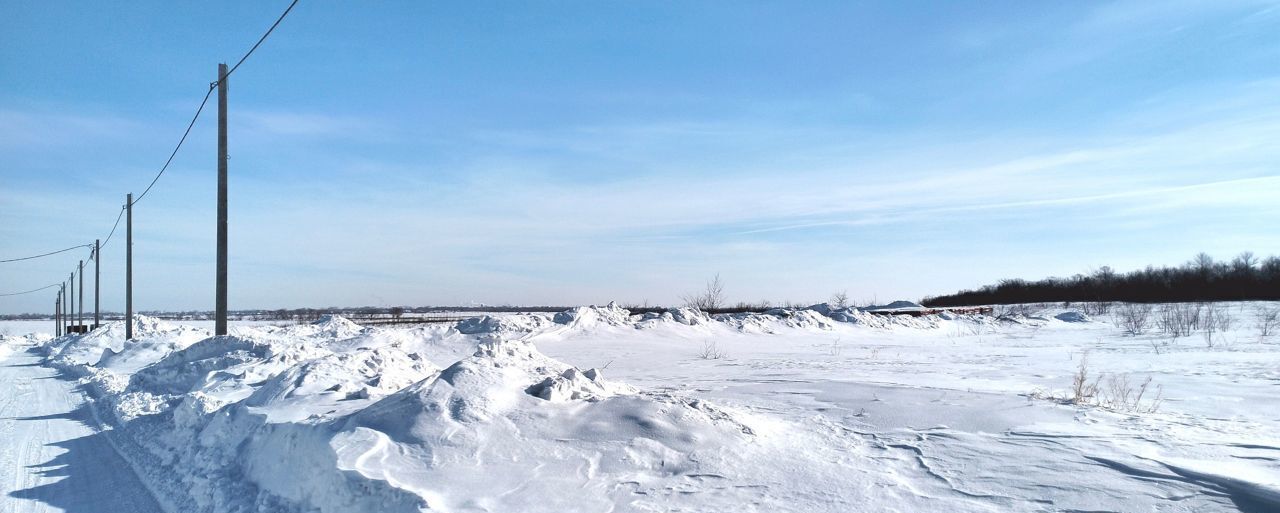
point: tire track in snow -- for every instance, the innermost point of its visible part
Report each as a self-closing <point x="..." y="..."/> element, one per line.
<point x="54" y="458"/>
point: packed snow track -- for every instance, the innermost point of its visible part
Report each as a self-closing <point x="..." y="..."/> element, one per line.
<point x="53" y="456"/>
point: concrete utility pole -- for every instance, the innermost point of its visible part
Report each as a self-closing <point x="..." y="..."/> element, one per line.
<point x="71" y="314"/>
<point x="97" y="282"/>
<point x="57" y="315"/>
<point x="128" y="267"/>
<point x="80" y="318"/>
<point x="220" y="292"/>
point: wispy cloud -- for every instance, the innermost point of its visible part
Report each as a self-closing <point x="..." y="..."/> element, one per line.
<point x="43" y="129"/>
<point x="298" y="124"/>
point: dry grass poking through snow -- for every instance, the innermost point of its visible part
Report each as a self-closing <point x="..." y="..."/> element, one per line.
<point x="711" y="352"/>
<point x="1111" y="391"/>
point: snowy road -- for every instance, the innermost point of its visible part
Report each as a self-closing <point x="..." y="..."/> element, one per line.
<point x="52" y="458"/>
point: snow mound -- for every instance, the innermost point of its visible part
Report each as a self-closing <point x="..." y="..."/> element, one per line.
<point x="542" y="419"/>
<point x="689" y="316"/>
<point x="185" y="370"/>
<point x="894" y="306"/>
<point x="364" y="374"/>
<point x="592" y="316"/>
<point x="471" y="390"/>
<point x="869" y="317"/>
<point x="503" y="324"/>
<point x="683" y="315"/>
<point x="106" y="345"/>
<point x="329" y="326"/>
<point x="1072" y="316"/>
<point x="8" y="343"/>
<point x="576" y="385"/>
<point x="806" y="319"/>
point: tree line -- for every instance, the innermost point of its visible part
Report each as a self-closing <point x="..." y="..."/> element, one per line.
<point x="1245" y="277"/>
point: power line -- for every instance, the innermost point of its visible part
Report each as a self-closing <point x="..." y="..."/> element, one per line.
<point x="174" y="153"/>
<point x="113" y="227"/>
<point x="261" y="39"/>
<point x="33" y="290"/>
<point x="46" y="254"/>
<point x="206" y="100"/>
<point x="179" y="146"/>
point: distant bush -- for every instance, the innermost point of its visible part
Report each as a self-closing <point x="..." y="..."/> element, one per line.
<point x="1133" y="318"/>
<point x="711" y="298"/>
<point x="1179" y="319"/>
<point x="1245" y="277"/>
<point x="1268" y="320"/>
<point x="1216" y="320"/>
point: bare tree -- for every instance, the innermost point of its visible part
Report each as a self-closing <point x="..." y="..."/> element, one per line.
<point x="1270" y="265"/>
<point x="840" y="300"/>
<point x="711" y="298"/>
<point x="1202" y="262"/>
<point x="1245" y="262"/>
<point x="397" y="312"/>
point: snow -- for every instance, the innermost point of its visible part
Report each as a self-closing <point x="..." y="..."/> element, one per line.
<point x="594" y="409"/>
<point x="1072" y="316"/>
<point x="896" y="306"/>
<point x="53" y="457"/>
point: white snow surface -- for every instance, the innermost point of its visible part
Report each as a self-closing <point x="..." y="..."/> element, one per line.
<point x="595" y="409"/>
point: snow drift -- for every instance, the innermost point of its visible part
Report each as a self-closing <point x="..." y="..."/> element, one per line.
<point x="335" y="417"/>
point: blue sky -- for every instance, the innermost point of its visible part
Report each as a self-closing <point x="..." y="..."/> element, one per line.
<point x="579" y="152"/>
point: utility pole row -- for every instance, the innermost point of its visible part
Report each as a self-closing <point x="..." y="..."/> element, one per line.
<point x="64" y="315"/>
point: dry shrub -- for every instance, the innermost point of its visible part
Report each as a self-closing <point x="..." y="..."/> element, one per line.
<point x="1268" y="320"/>
<point x="1133" y="318"/>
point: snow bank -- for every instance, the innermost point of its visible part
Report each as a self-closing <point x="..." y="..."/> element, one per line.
<point x="819" y="317"/>
<point x="588" y="317"/>
<point x="106" y="346"/>
<point x="502" y="325"/>
<point x="865" y="316"/>
<point x="11" y="343"/>
<point x="333" y="417"/>
<point x="896" y="306"/>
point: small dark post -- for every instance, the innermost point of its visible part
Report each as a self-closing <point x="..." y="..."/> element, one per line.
<point x="97" y="282"/>
<point x="128" y="267"/>
<point x="80" y="317"/>
<point x="220" y="289"/>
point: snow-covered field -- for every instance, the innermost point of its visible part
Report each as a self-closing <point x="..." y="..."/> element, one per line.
<point x="595" y="409"/>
